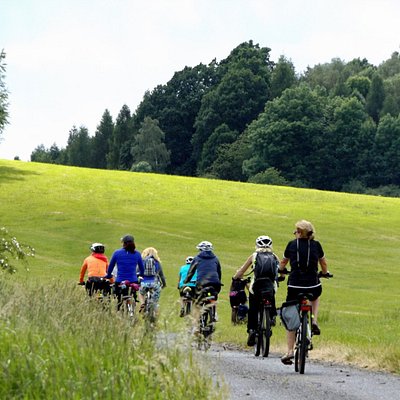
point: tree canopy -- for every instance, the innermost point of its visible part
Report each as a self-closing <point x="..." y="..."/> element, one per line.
<point x="336" y="126"/>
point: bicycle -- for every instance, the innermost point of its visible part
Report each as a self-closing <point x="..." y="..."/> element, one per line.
<point x="238" y="300"/>
<point x="128" y="297"/>
<point x="187" y="299"/>
<point x="98" y="287"/>
<point x="304" y="333"/>
<point x="207" y="303"/>
<point x="150" y="304"/>
<point x="265" y="323"/>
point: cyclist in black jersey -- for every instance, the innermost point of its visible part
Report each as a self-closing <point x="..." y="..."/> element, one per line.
<point x="304" y="254"/>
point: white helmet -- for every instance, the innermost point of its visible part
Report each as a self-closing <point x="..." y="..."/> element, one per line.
<point x="97" y="248"/>
<point x="263" y="242"/>
<point x="204" y="246"/>
<point x="189" y="260"/>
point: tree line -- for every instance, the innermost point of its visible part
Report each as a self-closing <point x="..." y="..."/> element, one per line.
<point x="336" y="126"/>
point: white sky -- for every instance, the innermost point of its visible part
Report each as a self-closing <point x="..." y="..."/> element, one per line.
<point x="69" y="60"/>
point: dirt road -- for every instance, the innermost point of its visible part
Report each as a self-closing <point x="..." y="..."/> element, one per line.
<point x="253" y="378"/>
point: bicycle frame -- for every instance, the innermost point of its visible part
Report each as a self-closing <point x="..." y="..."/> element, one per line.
<point x="128" y="293"/>
<point x="303" y="334"/>
<point x="187" y="300"/>
<point x="207" y="320"/>
<point x="149" y="312"/>
<point x="264" y="330"/>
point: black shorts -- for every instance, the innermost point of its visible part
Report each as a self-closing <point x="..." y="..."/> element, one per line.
<point x="293" y="293"/>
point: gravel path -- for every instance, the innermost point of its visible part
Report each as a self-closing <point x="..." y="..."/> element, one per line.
<point x="250" y="377"/>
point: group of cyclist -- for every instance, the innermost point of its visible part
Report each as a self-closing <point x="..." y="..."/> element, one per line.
<point x="127" y="265"/>
<point x="304" y="254"/>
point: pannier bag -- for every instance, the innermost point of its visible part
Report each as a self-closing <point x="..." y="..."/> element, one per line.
<point x="290" y="316"/>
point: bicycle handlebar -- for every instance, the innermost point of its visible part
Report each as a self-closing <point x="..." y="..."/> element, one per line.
<point x="327" y="275"/>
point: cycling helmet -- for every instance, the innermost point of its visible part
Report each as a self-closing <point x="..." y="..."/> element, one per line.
<point x="97" y="248"/>
<point x="205" y="246"/>
<point x="263" y="242"/>
<point x="189" y="260"/>
<point x="127" y="239"/>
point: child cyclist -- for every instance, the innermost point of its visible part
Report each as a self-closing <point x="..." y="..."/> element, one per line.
<point x="153" y="275"/>
<point x="264" y="265"/>
<point x="181" y="285"/>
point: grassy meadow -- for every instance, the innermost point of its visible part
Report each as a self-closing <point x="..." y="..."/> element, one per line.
<point x="61" y="210"/>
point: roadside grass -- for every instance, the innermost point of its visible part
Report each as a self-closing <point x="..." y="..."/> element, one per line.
<point x="61" y="210"/>
<point x="56" y="343"/>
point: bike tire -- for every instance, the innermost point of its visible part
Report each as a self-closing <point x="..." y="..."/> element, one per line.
<point x="303" y="343"/>
<point x="234" y="317"/>
<point x="188" y="308"/>
<point x="258" y="347"/>
<point x="266" y="332"/>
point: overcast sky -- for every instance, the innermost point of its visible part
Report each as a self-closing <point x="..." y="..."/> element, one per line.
<point x="69" y="60"/>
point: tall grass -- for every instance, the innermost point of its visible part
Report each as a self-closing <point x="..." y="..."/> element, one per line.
<point x="55" y="343"/>
<point x="61" y="210"/>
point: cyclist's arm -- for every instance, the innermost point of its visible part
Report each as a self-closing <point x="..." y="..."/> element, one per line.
<point x="324" y="265"/>
<point x="240" y="272"/>
<point x="192" y="270"/>
<point x="83" y="271"/>
<point x="110" y="268"/>
<point x="141" y="266"/>
<point x="162" y="276"/>
<point x="282" y="265"/>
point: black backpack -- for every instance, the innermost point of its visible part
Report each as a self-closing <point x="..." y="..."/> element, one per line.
<point x="265" y="266"/>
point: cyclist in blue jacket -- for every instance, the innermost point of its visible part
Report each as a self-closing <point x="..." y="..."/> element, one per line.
<point x="127" y="259"/>
<point x="208" y="269"/>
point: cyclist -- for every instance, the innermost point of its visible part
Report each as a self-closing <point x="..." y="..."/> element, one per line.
<point x="304" y="254"/>
<point x="181" y="285"/>
<point x="126" y="259"/>
<point x="152" y="276"/>
<point x="264" y="265"/>
<point x="96" y="267"/>
<point x="208" y="269"/>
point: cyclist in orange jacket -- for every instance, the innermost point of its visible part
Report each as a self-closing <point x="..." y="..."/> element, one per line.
<point x="96" y="267"/>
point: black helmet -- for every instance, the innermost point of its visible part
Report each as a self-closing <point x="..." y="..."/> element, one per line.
<point x="97" y="248"/>
<point x="127" y="239"/>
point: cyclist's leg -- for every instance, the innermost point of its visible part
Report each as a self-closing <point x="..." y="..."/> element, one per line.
<point x="290" y="335"/>
<point x="315" y="307"/>
<point x="252" y="319"/>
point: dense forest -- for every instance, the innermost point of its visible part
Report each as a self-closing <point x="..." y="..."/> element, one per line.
<point x="336" y="126"/>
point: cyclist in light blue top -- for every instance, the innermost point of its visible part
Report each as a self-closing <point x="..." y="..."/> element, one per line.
<point x="182" y="276"/>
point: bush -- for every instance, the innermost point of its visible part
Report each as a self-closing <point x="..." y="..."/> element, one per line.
<point x="141" y="166"/>
<point x="11" y="248"/>
<point x="270" y="176"/>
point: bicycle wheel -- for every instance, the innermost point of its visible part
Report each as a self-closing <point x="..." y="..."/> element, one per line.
<point x="297" y="350"/>
<point x="259" y="347"/>
<point x="303" y="343"/>
<point x="188" y="307"/>
<point x="234" y="317"/>
<point x="266" y="332"/>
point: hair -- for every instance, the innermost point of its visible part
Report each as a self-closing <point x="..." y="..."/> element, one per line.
<point x="306" y="229"/>
<point x="151" y="252"/>
<point x="129" y="246"/>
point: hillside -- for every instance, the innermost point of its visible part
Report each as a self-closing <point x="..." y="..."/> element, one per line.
<point x="61" y="210"/>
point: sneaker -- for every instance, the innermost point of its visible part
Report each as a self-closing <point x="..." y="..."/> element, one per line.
<point x="287" y="359"/>
<point x="251" y="340"/>
<point x="182" y="312"/>
<point x="315" y="329"/>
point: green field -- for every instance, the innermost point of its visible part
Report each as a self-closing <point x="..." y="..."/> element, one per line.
<point x="61" y="210"/>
